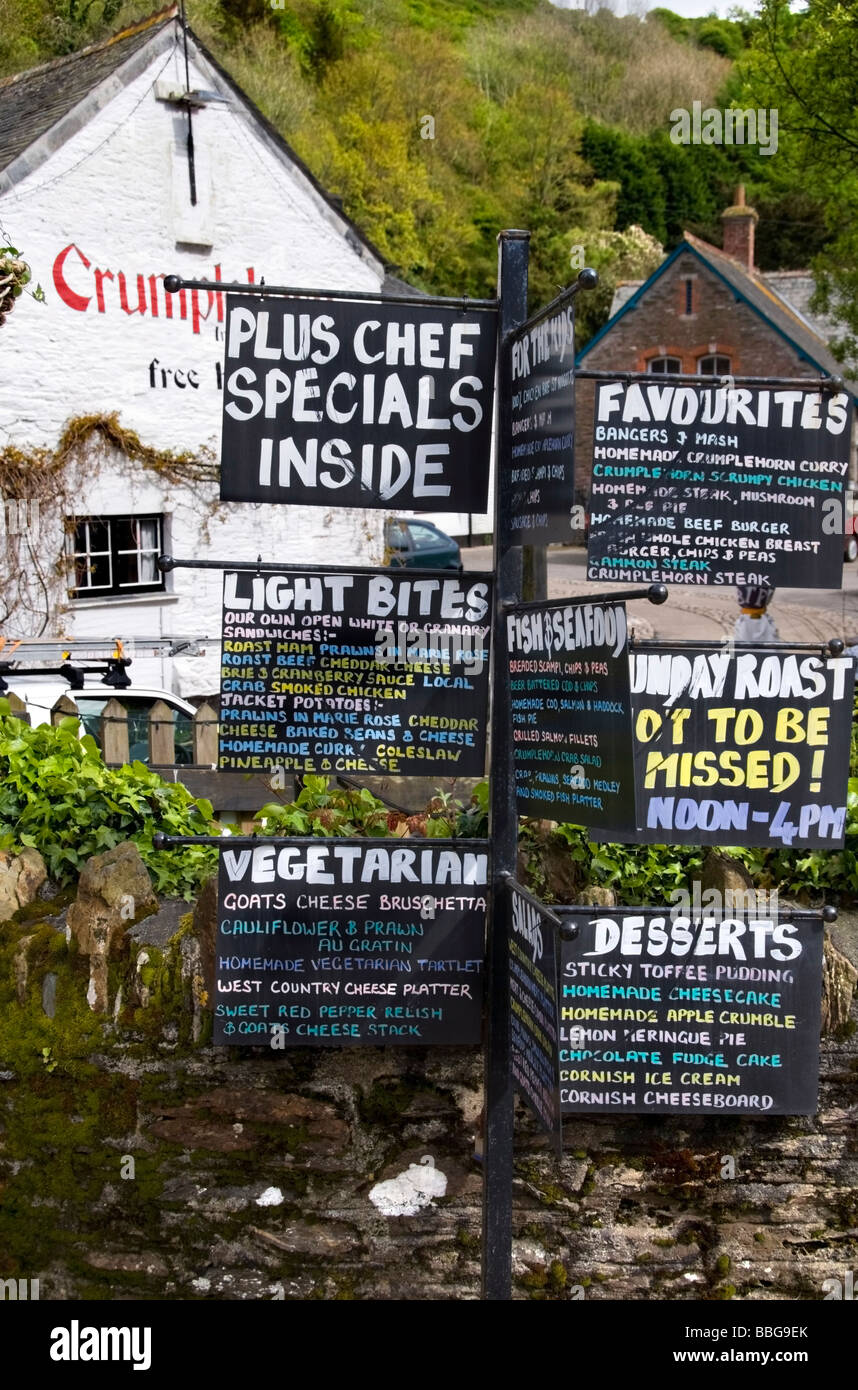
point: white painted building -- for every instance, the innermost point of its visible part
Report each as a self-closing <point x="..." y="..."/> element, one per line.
<point x="95" y="190"/>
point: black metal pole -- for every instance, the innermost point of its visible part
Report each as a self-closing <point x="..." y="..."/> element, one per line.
<point x="174" y="283"/>
<point x="513" y="250"/>
<point x="796" y="383"/>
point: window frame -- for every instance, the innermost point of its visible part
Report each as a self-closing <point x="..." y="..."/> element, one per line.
<point x="715" y="357"/>
<point x="117" y="555"/>
<point x="664" y="371"/>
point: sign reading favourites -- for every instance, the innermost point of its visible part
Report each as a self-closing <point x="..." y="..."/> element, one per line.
<point x="707" y="484"/>
<point x="540" y="371"/>
<point x="349" y="942"/>
<point x="571" y="713"/>
<point x="533" y="1010"/>
<point x="354" y="672"/>
<point x="663" y="1014"/>
<point x="351" y="404"/>
<point x="745" y="748"/>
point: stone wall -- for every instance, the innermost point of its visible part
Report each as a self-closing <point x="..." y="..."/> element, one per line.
<point x="138" y="1162"/>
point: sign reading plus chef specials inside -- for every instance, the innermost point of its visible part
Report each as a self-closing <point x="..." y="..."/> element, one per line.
<point x="355" y="672"/>
<point x="571" y="713"/>
<point x="352" y="404"/>
<point x="350" y="942"/>
<point x="665" y="1014"/>
<point x="718" y="485"/>
<point x="746" y="748"/>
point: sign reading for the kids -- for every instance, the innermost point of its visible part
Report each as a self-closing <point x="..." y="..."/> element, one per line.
<point x="533" y="1009"/>
<point x="571" y="713"/>
<point x="348" y="404"/>
<point x="538" y="492"/>
<point x="664" y="1014"/>
<point x="743" y="748"/>
<point x="714" y="484"/>
<point x="355" y="672"/>
<point x="350" y="942"/>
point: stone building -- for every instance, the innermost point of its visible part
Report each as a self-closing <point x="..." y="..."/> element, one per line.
<point x="708" y="311"/>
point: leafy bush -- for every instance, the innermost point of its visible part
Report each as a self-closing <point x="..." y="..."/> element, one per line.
<point x="57" y="796"/>
<point x="325" y="809"/>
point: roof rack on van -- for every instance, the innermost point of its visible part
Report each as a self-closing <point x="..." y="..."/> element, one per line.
<point x="83" y="648"/>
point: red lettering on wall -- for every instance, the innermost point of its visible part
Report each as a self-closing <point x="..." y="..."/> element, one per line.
<point x="64" y="290"/>
<point x="100" y="277"/>
<point x="141" y="295"/>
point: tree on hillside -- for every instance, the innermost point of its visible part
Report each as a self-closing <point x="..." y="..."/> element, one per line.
<point x="805" y="65"/>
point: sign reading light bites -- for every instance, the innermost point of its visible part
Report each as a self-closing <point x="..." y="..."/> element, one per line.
<point x="338" y="403"/>
<point x="571" y="713"/>
<point x="704" y="484"/>
<point x="663" y="1014"/>
<point x="355" y="672"/>
<point x="350" y="942"/>
<point x="742" y="748"/>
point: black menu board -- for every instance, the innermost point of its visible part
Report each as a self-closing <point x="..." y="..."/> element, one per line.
<point x="539" y="371"/>
<point x="571" y="713"/>
<point x="338" y="403"/>
<point x="741" y="748"/>
<point x="712" y="484"/>
<point x="355" y="672"/>
<point x="664" y="1014"/>
<point x="533" y="1009"/>
<point x="338" y="943"/>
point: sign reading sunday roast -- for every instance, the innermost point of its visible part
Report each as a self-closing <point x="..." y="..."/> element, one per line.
<point x="748" y="748"/>
<point x="351" y="942"/>
<point x="354" y="404"/>
<point x="540" y="370"/>
<point x="355" y="672"/>
<point x="571" y="713"/>
<point x="667" y="1014"/>
<point x="707" y="484"/>
<point x="533" y="1009"/>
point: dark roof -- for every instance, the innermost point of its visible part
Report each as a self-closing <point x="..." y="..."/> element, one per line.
<point x="756" y="293"/>
<point x="31" y="102"/>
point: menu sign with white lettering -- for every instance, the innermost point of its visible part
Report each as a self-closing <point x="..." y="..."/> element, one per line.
<point x="338" y="403"/>
<point x="712" y="484"/>
<point x="355" y="672"/>
<point x="538" y="492"/>
<point x="351" y="942"/>
<point x="662" y="1013"/>
<point x="533" y="1010"/>
<point x="571" y="713"/>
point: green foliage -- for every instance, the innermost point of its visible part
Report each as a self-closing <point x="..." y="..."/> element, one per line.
<point x="324" y="809"/>
<point x="803" y="64"/>
<point x="57" y="796"/>
<point x="637" y="873"/>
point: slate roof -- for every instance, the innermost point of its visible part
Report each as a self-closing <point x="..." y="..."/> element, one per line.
<point x="766" y="293"/>
<point x="31" y="102"/>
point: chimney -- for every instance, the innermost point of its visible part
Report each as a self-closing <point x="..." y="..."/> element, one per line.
<point x="739" y="222"/>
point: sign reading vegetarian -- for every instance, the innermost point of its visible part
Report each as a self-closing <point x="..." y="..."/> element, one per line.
<point x="354" y="672"/>
<point x="540" y="368"/>
<point x="533" y="1010"/>
<point x="571" y="713"/>
<point x="350" y="404"/>
<point x="741" y="749"/>
<point x="663" y="1014"/>
<point x="349" y="942"/>
<point x="718" y="485"/>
